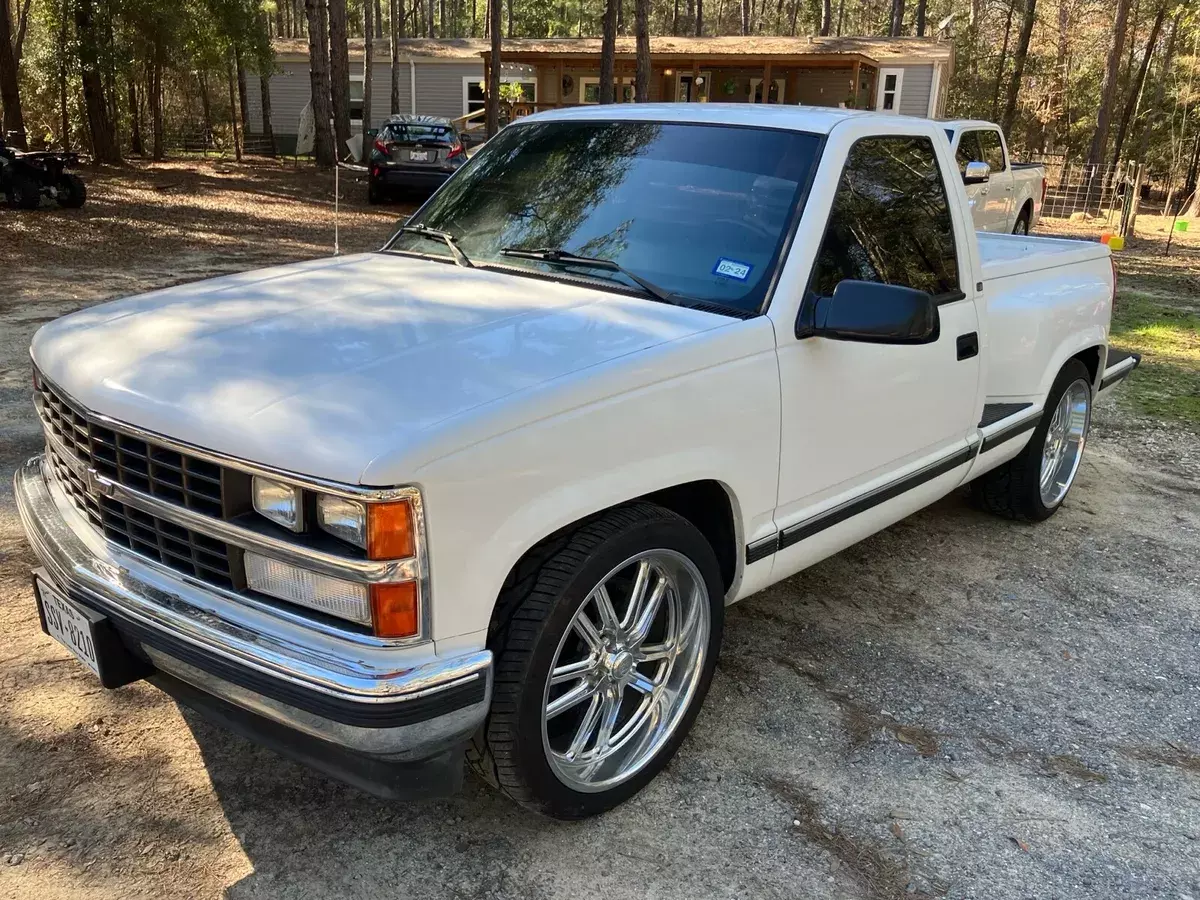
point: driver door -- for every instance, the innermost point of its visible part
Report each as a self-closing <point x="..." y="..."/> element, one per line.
<point x="865" y="424"/>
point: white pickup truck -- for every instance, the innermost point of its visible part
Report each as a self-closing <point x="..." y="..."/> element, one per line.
<point x="1004" y="196"/>
<point x="488" y="490"/>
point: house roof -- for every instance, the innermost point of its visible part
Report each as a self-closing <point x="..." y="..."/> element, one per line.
<point x="882" y="49"/>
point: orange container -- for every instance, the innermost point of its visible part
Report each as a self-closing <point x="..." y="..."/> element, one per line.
<point x="1105" y="237"/>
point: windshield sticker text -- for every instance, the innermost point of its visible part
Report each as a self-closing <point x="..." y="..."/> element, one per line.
<point x="731" y="268"/>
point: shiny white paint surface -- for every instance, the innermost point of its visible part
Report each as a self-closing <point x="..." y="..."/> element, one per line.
<point x="520" y="405"/>
<point x="996" y="204"/>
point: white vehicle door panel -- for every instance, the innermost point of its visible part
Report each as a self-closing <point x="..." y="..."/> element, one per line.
<point x="858" y="416"/>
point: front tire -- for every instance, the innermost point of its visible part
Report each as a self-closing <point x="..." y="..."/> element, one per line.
<point x="23" y="192"/>
<point x="603" y="661"/>
<point x="1032" y="486"/>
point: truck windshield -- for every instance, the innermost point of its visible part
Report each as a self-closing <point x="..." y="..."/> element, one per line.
<point x="699" y="211"/>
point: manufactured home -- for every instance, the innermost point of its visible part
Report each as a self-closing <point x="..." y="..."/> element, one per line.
<point x="906" y="76"/>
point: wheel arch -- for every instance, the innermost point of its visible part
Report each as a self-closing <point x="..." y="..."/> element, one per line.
<point x="708" y="504"/>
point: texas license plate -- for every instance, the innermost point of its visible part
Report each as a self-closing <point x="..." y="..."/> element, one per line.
<point x="419" y="155"/>
<point x="68" y="625"/>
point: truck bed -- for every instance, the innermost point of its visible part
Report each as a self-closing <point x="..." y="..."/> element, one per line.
<point x="1002" y="255"/>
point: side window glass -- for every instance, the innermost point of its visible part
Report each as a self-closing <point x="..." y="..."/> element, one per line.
<point x="993" y="150"/>
<point x="890" y="221"/>
<point x="968" y="150"/>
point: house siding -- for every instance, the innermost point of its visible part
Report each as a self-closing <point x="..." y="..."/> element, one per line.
<point x="821" y="87"/>
<point x="914" y="94"/>
<point x="440" y="87"/>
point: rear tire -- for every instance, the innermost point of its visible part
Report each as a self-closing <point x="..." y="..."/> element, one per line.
<point x="375" y="193"/>
<point x="23" y="192"/>
<point x="1017" y="490"/>
<point x="72" y="192"/>
<point x="1022" y="224"/>
<point x="612" y="719"/>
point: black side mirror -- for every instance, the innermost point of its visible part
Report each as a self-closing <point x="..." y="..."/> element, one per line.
<point x="876" y="313"/>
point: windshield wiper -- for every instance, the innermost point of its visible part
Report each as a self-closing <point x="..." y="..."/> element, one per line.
<point x="445" y="237"/>
<point x="562" y="258"/>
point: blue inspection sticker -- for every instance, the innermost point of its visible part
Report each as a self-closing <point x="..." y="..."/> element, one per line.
<point x="731" y="268"/>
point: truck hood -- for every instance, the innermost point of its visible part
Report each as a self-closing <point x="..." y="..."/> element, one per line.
<point x="320" y="367"/>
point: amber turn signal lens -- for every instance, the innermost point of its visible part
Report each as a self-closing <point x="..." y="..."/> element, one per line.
<point x="390" y="530"/>
<point x="394" y="609"/>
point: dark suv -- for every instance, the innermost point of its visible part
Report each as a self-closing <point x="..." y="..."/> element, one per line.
<point x="413" y="153"/>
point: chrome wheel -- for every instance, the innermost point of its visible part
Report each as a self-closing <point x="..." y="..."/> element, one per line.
<point x="1063" y="448"/>
<point x="626" y="670"/>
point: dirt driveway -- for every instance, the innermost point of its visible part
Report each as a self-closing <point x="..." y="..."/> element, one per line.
<point x="958" y="707"/>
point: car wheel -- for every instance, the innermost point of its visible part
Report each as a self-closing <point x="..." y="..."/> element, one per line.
<point x="604" y="657"/>
<point x="72" y="192"/>
<point x="1022" y="224"/>
<point x="374" y="192"/>
<point x="23" y="192"/>
<point x="1033" y="485"/>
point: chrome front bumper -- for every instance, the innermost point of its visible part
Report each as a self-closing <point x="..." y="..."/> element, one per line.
<point x="400" y="704"/>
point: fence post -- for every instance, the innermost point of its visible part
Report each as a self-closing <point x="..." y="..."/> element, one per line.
<point x="1131" y="228"/>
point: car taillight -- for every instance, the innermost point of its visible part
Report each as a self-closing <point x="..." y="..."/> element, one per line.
<point x="1112" y="261"/>
<point x="456" y="150"/>
<point x="1044" y="187"/>
<point x="381" y="146"/>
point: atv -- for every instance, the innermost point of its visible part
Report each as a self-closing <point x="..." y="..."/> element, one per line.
<point x="26" y="177"/>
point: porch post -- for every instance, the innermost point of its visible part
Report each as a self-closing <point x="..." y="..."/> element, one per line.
<point x="559" y="90"/>
<point x="856" y="83"/>
<point x="766" y="85"/>
<point x="694" y="94"/>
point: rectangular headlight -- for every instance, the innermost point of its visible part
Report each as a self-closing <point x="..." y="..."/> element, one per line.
<point x="279" y="502"/>
<point x="344" y="599"/>
<point x="343" y="518"/>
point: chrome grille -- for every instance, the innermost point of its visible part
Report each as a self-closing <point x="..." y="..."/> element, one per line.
<point x="171" y="476"/>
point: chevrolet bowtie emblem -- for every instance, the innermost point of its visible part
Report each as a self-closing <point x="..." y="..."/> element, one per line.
<point x="98" y="484"/>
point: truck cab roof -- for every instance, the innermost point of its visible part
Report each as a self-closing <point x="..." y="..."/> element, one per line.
<point x="812" y="119"/>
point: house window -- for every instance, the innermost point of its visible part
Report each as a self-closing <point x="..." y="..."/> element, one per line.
<point x="475" y="97"/>
<point x="589" y="91"/>
<point x="887" y="97"/>
<point x="774" y="93"/>
<point x="356" y="98"/>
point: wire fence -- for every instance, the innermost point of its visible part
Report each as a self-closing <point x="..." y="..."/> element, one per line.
<point x="1074" y="188"/>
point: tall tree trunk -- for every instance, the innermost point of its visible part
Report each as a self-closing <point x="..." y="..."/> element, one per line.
<point x="841" y="14"/>
<point x="699" y="18"/>
<point x="1108" y="86"/>
<point x="493" y="84"/>
<point x="241" y="89"/>
<point x="396" y="27"/>
<point x="231" y="72"/>
<point x="104" y="143"/>
<point x="206" y="107"/>
<point x="675" y="19"/>
<point x="1003" y="59"/>
<point x="339" y="75"/>
<point x="510" y="20"/>
<point x="64" y="118"/>
<point x="608" y="50"/>
<point x="1160" y="86"/>
<point x="1139" y="80"/>
<point x="135" y="118"/>
<point x="368" y="65"/>
<point x="10" y="87"/>
<point x="897" y="20"/>
<point x="156" y="98"/>
<point x="745" y="17"/>
<point x="1014" y="84"/>
<point x="641" y="27"/>
<point x="1057" y="104"/>
<point x="379" y="19"/>
<point x="919" y="23"/>
<point x="318" y="72"/>
<point x="264" y="90"/>
<point x="826" y="17"/>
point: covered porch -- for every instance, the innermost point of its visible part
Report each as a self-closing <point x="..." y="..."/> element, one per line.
<point x="703" y="70"/>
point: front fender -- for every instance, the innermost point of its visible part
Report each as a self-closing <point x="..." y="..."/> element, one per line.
<point x="488" y="503"/>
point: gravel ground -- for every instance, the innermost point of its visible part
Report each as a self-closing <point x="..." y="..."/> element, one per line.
<point x="957" y="707"/>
